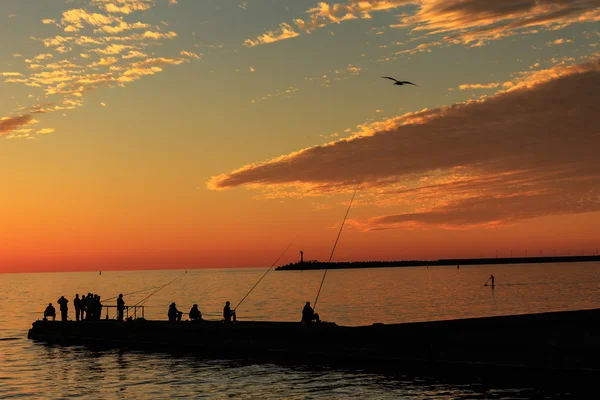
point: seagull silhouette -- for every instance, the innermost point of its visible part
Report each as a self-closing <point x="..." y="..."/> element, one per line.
<point x="399" y="83"/>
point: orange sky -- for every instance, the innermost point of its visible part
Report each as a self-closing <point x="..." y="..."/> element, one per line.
<point x="150" y="134"/>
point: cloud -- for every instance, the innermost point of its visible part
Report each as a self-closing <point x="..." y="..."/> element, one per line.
<point x="123" y="6"/>
<point x="528" y="151"/>
<point x="112" y="49"/>
<point x="559" y="41"/>
<point x="324" y="14"/>
<point x="44" y="56"/>
<point x="107" y="54"/>
<point x="285" y="31"/>
<point x="45" y="131"/>
<point x="9" y="124"/>
<point x="471" y="22"/>
<point x="470" y="86"/>
<point x="76" y="19"/>
<point x="134" y="54"/>
<point x="474" y="22"/>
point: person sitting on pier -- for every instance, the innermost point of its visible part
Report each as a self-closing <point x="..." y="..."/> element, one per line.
<point x="174" y="314"/>
<point x="120" y="308"/>
<point x="64" y="309"/>
<point x="49" y="312"/>
<point x="228" y="314"/>
<point x="195" y="314"/>
<point x="308" y="314"/>
<point x="77" y="305"/>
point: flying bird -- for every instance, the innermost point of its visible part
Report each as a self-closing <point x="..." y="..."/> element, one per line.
<point x="399" y="83"/>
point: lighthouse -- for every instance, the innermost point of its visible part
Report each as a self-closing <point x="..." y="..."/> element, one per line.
<point x="301" y="256"/>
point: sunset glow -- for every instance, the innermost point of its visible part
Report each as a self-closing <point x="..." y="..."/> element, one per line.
<point x="157" y="134"/>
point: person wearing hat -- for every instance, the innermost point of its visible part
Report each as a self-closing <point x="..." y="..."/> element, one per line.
<point x="174" y="314"/>
<point x="228" y="314"/>
<point x="120" y="307"/>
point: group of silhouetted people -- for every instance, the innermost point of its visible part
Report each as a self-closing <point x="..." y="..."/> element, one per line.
<point x="175" y="315"/>
<point x="86" y="308"/>
<point x="89" y="308"/>
<point x="195" y="314"/>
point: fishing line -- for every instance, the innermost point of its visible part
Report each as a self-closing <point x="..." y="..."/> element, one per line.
<point x="272" y="265"/>
<point x="335" y="244"/>
<point x="137" y="291"/>
<point x="157" y="290"/>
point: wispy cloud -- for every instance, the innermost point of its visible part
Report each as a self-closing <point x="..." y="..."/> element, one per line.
<point x="470" y="86"/>
<point x="559" y="41"/>
<point x="97" y="47"/>
<point x="9" y="124"/>
<point x="518" y="154"/>
<point x="471" y="22"/>
<point x="324" y="14"/>
<point x="284" y="31"/>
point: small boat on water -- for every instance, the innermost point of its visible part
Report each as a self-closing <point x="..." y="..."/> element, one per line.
<point x="565" y="345"/>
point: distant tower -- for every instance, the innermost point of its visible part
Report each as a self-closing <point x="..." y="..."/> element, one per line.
<point x="301" y="256"/>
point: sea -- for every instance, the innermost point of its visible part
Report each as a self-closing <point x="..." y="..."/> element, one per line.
<point x="36" y="370"/>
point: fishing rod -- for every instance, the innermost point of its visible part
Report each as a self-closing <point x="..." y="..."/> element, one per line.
<point x="265" y="274"/>
<point x="137" y="291"/>
<point x="157" y="290"/>
<point x="335" y="244"/>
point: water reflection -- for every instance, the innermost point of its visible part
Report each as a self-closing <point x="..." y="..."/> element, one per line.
<point x="349" y="297"/>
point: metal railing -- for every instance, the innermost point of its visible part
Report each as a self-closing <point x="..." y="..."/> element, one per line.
<point x="134" y="315"/>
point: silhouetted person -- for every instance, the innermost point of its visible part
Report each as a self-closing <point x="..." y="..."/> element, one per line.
<point x="492" y="278"/>
<point x="120" y="308"/>
<point x="97" y="307"/>
<point x="174" y="314"/>
<point x="50" y="312"/>
<point x="64" y="309"/>
<point x="77" y="305"/>
<point x="195" y="314"/>
<point x="89" y="307"/>
<point x="228" y="314"/>
<point x="308" y="314"/>
<point x="82" y="306"/>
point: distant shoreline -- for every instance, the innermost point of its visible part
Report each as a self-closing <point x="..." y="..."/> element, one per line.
<point x="317" y="265"/>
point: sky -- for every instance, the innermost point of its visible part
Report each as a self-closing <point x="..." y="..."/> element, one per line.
<point x="156" y="134"/>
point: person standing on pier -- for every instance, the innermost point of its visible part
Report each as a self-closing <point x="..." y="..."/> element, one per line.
<point x="82" y="306"/>
<point x="64" y="309"/>
<point x="120" y="308"/>
<point x="77" y="305"/>
<point x="89" y="307"/>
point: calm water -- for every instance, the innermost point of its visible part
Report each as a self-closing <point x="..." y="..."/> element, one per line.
<point x="349" y="297"/>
